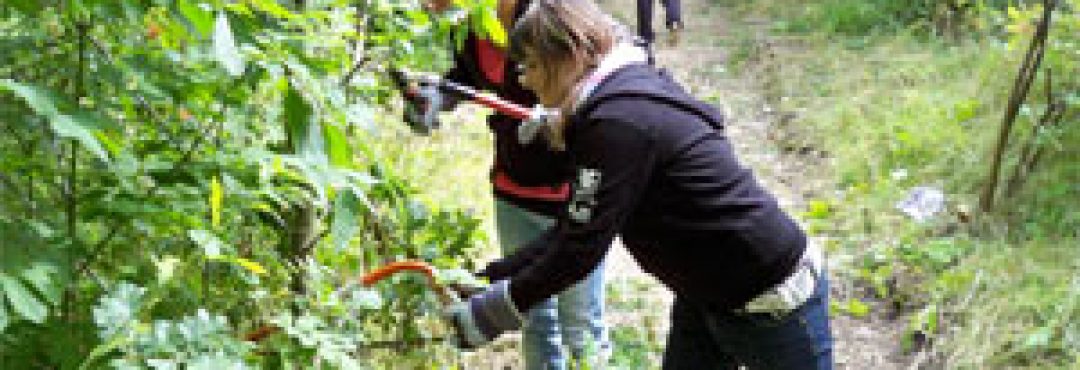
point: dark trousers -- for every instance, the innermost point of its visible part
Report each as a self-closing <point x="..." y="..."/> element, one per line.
<point x="672" y="15"/>
<point x="710" y="339"/>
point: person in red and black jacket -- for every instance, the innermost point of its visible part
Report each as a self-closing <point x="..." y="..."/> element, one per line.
<point x="530" y="183"/>
<point x="653" y="165"/>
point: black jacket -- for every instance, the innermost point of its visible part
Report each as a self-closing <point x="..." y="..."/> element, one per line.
<point x="531" y="165"/>
<point x="653" y="165"/>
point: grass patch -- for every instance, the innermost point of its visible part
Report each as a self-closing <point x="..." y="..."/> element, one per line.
<point x="893" y="109"/>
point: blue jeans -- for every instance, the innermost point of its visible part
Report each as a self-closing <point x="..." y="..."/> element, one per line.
<point x="573" y="318"/>
<point x="713" y="339"/>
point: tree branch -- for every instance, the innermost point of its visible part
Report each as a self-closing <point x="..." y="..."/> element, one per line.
<point x="1028" y="69"/>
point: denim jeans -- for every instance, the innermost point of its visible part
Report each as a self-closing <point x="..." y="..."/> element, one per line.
<point x="573" y="318"/>
<point x="713" y="339"/>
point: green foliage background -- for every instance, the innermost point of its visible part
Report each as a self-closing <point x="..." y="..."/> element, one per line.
<point x="899" y="94"/>
<point x="176" y="174"/>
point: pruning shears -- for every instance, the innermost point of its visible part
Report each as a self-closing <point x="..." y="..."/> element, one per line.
<point x="447" y="296"/>
<point x="532" y="119"/>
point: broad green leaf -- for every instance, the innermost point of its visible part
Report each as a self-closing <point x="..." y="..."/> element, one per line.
<point x="166" y="267"/>
<point x="29" y="7"/>
<point x="3" y="316"/>
<point x="22" y="300"/>
<point x="67" y="126"/>
<point x="210" y="244"/>
<point x="114" y="343"/>
<point x="40" y="100"/>
<point x="80" y="127"/>
<point x="368" y="299"/>
<point x="225" y="50"/>
<point x="297" y="118"/>
<point x="41" y="277"/>
<point x="250" y="265"/>
<point x="216" y="195"/>
<point x="345" y="221"/>
<point x="337" y="146"/>
<point x="272" y="8"/>
<point x="493" y="28"/>
<point x="245" y="263"/>
<point x="200" y="18"/>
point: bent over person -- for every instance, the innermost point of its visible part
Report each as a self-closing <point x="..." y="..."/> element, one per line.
<point x="530" y="182"/>
<point x="654" y="165"/>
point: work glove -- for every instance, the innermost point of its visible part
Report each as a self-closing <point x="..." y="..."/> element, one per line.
<point x="484" y="316"/>
<point x="423" y="105"/>
<point x="540" y="119"/>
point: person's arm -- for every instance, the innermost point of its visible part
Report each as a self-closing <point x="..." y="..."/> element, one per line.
<point x="509" y="265"/>
<point x="614" y="164"/>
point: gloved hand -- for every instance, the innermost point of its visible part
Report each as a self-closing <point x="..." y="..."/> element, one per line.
<point x="484" y="316"/>
<point x="539" y="119"/>
<point x="422" y="107"/>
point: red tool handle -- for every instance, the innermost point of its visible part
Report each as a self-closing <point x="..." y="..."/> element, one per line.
<point x="500" y="105"/>
<point x="491" y="101"/>
<point x="418" y="266"/>
<point x="395" y="267"/>
<point x="369" y="279"/>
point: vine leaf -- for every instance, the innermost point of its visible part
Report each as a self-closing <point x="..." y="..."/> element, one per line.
<point x="81" y="127"/>
<point x="23" y="301"/>
<point x="3" y="317"/>
<point x="209" y="243"/>
<point x="272" y="8"/>
<point x="250" y="265"/>
<point x="345" y="221"/>
<point x="199" y="18"/>
<point x="493" y="28"/>
<point x="40" y="277"/>
<point x="337" y="146"/>
<point x="216" y="195"/>
<point x="225" y="50"/>
<point x="27" y="272"/>
<point x="297" y="117"/>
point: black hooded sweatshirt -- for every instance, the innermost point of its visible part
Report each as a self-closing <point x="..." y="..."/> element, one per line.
<point x="653" y="165"/>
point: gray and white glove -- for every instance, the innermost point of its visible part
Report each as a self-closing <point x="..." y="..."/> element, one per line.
<point x="539" y="119"/>
<point x="423" y="106"/>
<point x="484" y="316"/>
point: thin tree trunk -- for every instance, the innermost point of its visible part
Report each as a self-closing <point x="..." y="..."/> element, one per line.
<point x="1028" y="70"/>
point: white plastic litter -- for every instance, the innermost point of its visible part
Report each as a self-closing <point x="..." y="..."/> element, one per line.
<point x="922" y="203"/>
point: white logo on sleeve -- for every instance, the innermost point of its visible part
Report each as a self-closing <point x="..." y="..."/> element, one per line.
<point x="585" y="189"/>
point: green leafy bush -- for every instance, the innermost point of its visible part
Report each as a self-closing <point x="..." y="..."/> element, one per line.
<point x="175" y="175"/>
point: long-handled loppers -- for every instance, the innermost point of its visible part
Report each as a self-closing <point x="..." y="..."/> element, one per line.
<point x="531" y="118"/>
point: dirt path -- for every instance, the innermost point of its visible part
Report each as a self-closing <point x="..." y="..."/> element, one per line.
<point x="699" y="62"/>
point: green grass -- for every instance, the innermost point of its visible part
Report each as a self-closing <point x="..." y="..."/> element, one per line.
<point x="449" y="168"/>
<point x="1022" y="309"/>
<point x="894" y="109"/>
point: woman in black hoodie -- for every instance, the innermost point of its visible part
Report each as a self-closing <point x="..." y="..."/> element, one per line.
<point x="653" y="165"/>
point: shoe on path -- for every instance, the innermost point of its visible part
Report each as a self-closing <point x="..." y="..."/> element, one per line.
<point x="674" y="29"/>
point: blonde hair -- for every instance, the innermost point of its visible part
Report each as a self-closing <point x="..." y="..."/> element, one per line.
<point x="569" y="38"/>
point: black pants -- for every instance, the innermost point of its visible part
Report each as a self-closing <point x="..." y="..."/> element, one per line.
<point x="672" y="15"/>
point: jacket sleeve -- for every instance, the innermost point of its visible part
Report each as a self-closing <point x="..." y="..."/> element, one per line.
<point x="613" y="162"/>
<point x="507" y="266"/>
